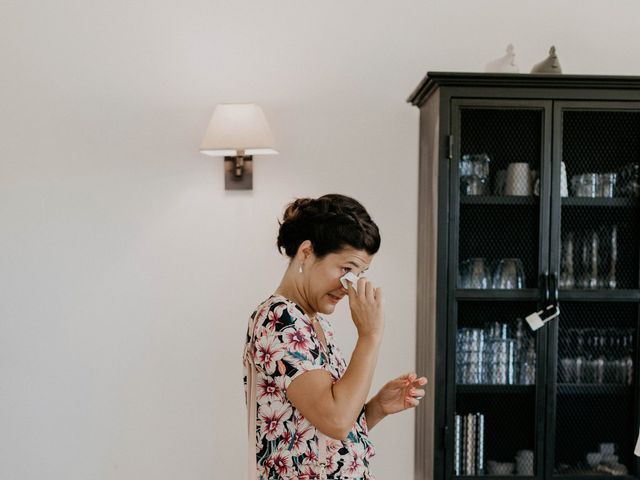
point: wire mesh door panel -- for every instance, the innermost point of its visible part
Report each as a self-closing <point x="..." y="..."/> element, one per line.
<point x="495" y="406"/>
<point x="595" y="418"/>
<point x="498" y="249"/>
<point x="500" y="160"/>
<point x="600" y="189"/>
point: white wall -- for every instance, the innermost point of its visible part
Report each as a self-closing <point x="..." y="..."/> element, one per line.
<point x="128" y="273"/>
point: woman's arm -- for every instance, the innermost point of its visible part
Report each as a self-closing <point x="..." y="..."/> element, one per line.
<point x="373" y="412"/>
<point x="333" y="408"/>
<point x="395" y="396"/>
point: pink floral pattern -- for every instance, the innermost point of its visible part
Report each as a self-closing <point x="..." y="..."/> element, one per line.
<point x="285" y="346"/>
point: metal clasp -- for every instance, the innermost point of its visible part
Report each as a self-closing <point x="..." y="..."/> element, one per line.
<point x="538" y="319"/>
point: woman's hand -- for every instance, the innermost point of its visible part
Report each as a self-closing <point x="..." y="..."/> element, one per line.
<point x="366" y="308"/>
<point x="400" y="394"/>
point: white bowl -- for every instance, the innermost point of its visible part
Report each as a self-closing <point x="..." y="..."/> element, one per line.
<point x="594" y="459"/>
<point x="498" y="468"/>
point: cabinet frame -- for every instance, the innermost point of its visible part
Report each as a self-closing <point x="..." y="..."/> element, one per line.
<point x="439" y="97"/>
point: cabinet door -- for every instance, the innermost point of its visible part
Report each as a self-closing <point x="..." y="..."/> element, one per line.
<point x="499" y="231"/>
<point x="595" y="250"/>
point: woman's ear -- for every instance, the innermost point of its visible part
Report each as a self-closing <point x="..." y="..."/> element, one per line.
<point x="305" y="249"/>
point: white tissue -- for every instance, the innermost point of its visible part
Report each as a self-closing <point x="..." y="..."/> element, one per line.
<point x="349" y="277"/>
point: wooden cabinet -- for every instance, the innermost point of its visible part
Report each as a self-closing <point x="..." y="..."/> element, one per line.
<point x="528" y="201"/>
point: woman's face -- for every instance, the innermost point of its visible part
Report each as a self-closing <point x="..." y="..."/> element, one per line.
<point x="324" y="288"/>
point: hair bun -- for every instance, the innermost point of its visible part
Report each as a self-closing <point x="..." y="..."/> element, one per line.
<point x="295" y="209"/>
<point x="330" y="222"/>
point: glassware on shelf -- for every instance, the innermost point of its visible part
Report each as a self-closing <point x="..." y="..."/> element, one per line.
<point x="528" y="366"/>
<point x="497" y="330"/>
<point x="589" y="264"/>
<point x="472" y="185"/>
<point x="585" y="185"/>
<point x="474" y="174"/>
<point x="596" y="356"/>
<point x="598" y="260"/>
<point x="500" y="182"/>
<point x="594" y="371"/>
<point x="500" y="362"/>
<point x="607" y="185"/>
<point x="495" y="355"/>
<point x="611" y="281"/>
<point x="628" y="181"/>
<point x="623" y="183"/>
<point x="470" y="356"/>
<point x="583" y="280"/>
<point x="474" y="273"/>
<point x="595" y="246"/>
<point x="475" y="164"/>
<point x="509" y="274"/>
<point x="567" y="370"/>
<point x="521" y="342"/>
<point x="567" y="278"/>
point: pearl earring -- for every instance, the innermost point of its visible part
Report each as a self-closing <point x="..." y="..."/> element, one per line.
<point x="300" y="269"/>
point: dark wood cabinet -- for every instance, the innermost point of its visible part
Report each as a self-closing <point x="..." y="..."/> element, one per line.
<point x="528" y="201"/>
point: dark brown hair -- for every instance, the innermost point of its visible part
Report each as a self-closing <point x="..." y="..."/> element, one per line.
<point x="331" y="222"/>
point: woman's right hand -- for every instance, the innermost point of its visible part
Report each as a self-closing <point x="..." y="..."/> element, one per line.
<point x="366" y="306"/>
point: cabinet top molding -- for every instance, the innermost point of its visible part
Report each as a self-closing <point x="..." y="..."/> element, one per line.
<point x="434" y="80"/>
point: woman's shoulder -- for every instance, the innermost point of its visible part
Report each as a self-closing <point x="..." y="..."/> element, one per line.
<point x="278" y="313"/>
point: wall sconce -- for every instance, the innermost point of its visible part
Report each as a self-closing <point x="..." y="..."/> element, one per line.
<point x="236" y="132"/>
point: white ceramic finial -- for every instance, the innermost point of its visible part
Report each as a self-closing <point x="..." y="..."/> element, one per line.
<point x="504" y="64"/>
<point x="551" y="64"/>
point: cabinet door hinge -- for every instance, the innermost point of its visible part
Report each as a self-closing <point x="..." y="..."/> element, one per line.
<point x="450" y="147"/>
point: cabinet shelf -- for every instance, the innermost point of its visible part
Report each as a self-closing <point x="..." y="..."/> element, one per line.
<point x="528" y="294"/>
<point x="464" y="389"/>
<point x="592" y="476"/>
<point x="498" y="200"/>
<point x="616" y="202"/>
<point x="532" y="294"/>
<point x="608" y="295"/>
<point x="594" y="389"/>
<point x="493" y="477"/>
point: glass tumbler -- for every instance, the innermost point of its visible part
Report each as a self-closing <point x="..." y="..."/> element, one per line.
<point x="474" y="273"/>
<point x="607" y="184"/>
<point x="509" y="274"/>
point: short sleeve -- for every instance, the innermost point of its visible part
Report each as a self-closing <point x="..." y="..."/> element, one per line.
<point x="285" y="344"/>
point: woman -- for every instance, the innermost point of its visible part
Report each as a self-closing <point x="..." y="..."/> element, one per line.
<point x="311" y="415"/>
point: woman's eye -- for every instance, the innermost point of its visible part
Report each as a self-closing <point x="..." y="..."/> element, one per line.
<point x="346" y="269"/>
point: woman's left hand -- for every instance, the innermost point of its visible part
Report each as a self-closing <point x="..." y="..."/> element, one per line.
<point x="402" y="393"/>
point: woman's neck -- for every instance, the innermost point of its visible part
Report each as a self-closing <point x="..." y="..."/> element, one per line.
<point x="292" y="293"/>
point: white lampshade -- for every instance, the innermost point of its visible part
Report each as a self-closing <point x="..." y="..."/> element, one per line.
<point x="238" y="126"/>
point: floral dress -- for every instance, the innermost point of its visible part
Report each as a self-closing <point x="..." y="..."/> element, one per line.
<point x="286" y="345"/>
